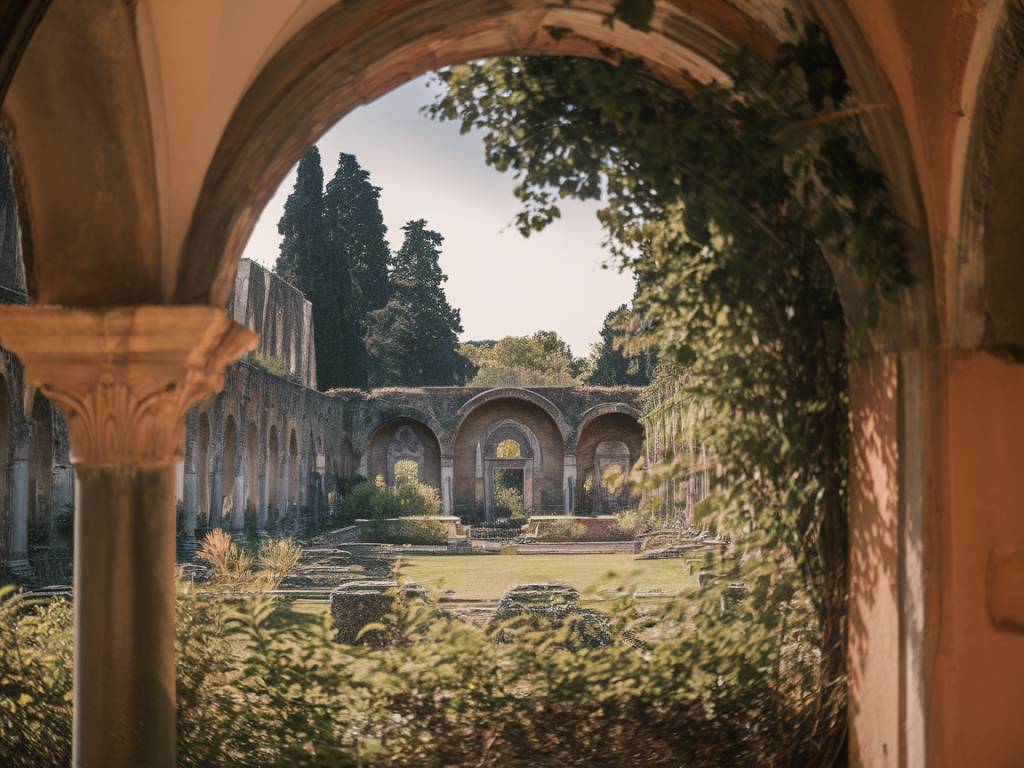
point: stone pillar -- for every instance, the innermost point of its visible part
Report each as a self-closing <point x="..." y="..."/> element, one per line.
<point x="124" y="378"/>
<point x="63" y="493"/>
<point x="238" y="501"/>
<point x="569" y="484"/>
<point x="18" y="562"/>
<point x="190" y="509"/>
<point x="447" y="481"/>
<point x="216" y="486"/>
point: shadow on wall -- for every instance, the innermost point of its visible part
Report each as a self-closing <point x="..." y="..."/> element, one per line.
<point x="874" y="544"/>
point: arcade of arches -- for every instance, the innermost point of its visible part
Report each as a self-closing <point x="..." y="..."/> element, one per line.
<point x="147" y="136"/>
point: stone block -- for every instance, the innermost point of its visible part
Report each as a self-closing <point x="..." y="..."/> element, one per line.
<point x="358" y="603"/>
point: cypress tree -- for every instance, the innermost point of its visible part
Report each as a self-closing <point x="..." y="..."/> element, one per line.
<point x="302" y="262"/>
<point x="357" y="257"/>
<point x="415" y="335"/>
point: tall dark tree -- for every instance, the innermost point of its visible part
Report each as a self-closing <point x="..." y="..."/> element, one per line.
<point x="413" y="339"/>
<point x="301" y="224"/>
<point x="357" y="256"/>
<point x="303" y="262"/>
<point x="612" y="365"/>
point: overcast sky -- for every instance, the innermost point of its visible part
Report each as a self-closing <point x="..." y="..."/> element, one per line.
<point x="504" y="284"/>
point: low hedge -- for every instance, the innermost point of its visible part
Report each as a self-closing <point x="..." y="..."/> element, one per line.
<point x="403" y="531"/>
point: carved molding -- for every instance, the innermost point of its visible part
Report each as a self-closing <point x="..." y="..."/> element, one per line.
<point x="125" y="376"/>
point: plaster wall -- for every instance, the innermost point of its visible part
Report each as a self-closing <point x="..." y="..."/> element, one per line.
<point x="979" y="684"/>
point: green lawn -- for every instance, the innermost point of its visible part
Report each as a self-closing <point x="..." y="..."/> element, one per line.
<point x="485" y="577"/>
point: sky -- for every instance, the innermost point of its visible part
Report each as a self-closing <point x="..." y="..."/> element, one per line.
<point x="503" y="284"/>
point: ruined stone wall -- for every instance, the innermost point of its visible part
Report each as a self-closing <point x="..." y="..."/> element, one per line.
<point x="36" y="478"/>
<point x="282" y="317"/>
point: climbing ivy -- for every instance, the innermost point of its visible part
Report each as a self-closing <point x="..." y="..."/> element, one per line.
<point x="728" y="200"/>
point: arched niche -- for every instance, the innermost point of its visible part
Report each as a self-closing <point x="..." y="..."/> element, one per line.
<point x="252" y="469"/>
<point x="608" y="437"/>
<point x="229" y="505"/>
<point x="293" y="469"/>
<point x="404" y="439"/>
<point x="509" y="449"/>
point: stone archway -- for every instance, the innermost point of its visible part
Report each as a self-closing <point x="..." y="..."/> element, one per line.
<point x="526" y="461"/>
<point x="536" y="426"/>
<point x="404" y="438"/>
<point x="930" y="403"/>
<point x="609" y="436"/>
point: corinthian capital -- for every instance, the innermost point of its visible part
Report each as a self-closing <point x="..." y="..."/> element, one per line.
<point x="124" y="376"/>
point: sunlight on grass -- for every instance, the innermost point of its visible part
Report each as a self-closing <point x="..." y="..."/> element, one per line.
<point x="595" y="576"/>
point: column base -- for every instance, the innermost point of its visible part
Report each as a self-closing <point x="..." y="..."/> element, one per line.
<point x="21" y="568"/>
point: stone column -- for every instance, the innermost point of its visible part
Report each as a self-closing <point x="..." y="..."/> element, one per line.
<point x="188" y="491"/>
<point x="216" y="486"/>
<point x="238" y="500"/>
<point x="447" y="481"/>
<point x="18" y="562"/>
<point x="569" y="484"/>
<point x="124" y="378"/>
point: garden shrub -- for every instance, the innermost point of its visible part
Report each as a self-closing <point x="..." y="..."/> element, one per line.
<point x="403" y="531"/>
<point x="378" y="501"/>
<point x="255" y="688"/>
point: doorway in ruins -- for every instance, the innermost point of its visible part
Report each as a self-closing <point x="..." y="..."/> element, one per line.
<point x="509" y="480"/>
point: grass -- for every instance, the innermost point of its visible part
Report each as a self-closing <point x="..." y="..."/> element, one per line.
<point x="486" y="577"/>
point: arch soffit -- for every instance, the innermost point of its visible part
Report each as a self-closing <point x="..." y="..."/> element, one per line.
<point x="514" y="393"/>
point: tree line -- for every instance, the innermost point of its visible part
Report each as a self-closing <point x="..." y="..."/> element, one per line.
<point x="382" y="318"/>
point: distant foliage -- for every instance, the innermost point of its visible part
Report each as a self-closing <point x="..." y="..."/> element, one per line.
<point x="541" y="360"/>
<point x="611" y="365"/>
<point x="404" y="531"/>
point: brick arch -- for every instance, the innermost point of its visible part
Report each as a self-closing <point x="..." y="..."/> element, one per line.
<point x="515" y="393"/>
<point x="602" y="410"/>
<point x="364" y="433"/>
<point x="378" y="445"/>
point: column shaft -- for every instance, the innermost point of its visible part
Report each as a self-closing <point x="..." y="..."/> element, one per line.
<point x="124" y="704"/>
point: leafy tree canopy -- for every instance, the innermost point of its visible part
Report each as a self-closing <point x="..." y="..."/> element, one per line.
<point x="540" y="360"/>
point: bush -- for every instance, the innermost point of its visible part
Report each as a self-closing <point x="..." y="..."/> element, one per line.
<point x="252" y="682"/>
<point x="508" y="502"/>
<point x="398" y="531"/>
<point x="378" y="501"/>
<point x="235" y="567"/>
